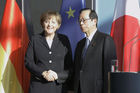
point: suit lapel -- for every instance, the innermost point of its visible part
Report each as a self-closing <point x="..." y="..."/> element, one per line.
<point x="93" y="41"/>
<point x="90" y="47"/>
<point x="55" y="41"/>
<point x="82" y="44"/>
<point x="43" y="40"/>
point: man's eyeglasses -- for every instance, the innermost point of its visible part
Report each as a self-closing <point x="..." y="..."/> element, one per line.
<point x="83" y="20"/>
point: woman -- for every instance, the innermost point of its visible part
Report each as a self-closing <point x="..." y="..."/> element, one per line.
<point x="48" y="57"/>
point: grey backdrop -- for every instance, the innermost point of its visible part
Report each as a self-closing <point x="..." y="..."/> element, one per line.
<point x="37" y="7"/>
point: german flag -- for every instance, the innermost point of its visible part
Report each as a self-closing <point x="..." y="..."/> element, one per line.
<point x="15" y="30"/>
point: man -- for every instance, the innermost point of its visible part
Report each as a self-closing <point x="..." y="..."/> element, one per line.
<point x="93" y="63"/>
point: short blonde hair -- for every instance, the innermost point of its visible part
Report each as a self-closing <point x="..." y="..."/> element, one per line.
<point x="48" y="14"/>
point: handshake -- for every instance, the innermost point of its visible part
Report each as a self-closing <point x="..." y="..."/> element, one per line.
<point x="50" y="75"/>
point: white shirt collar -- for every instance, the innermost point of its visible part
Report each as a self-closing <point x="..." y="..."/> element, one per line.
<point x="92" y="34"/>
<point x="49" y="41"/>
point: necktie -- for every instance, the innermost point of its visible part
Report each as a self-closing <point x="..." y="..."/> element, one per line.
<point x="86" y="46"/>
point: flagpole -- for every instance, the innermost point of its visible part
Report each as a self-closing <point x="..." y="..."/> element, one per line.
<point x="93" y="4"/>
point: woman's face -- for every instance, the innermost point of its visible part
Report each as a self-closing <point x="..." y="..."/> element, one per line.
<point x="51" y="25"/>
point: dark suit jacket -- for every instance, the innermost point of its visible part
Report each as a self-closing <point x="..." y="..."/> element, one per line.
<point x="91" y="72"/>
<point x="39" y="57"/>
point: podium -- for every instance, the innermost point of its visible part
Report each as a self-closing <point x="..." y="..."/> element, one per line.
<point x="124" y="82"/>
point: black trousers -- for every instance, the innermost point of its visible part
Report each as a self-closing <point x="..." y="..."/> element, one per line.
<point x="79" y="88"/>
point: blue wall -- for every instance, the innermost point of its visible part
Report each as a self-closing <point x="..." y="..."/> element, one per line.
<point x="105" y="11"/>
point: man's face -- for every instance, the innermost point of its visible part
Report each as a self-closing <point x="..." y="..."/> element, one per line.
<point x="86" y="23"/>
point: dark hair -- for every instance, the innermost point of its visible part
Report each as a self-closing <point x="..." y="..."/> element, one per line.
<point x="92" y="15"/>
<point x="48" y="14"/>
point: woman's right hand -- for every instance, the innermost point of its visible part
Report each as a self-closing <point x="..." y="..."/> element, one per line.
<point x="50" y="75"/>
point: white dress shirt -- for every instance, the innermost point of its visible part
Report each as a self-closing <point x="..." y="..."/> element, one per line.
<point x="92" y="34"/>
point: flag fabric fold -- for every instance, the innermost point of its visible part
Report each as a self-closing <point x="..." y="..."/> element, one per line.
<point x="70" y="26"/>
<point x="14" y="38"/>
<point x="126" y="34"/>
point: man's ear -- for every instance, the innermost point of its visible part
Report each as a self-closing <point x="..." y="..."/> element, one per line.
<point x="95" y="20"/>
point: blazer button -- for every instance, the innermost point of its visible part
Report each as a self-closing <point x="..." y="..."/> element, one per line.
<point x="50" y="61"/>
<point x="50" y="52"/>
<point x="81" y="71"/>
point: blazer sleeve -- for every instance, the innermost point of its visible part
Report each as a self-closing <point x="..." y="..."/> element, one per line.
<point x="109" y="54"/>
<point x="30" y="61"/>
<point x="65" y="75"/>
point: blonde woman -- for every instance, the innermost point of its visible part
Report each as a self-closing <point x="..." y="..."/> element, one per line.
<point x="48" y="57"/>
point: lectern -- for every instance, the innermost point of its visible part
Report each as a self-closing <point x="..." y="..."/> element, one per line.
<point x="124" y="82"/>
